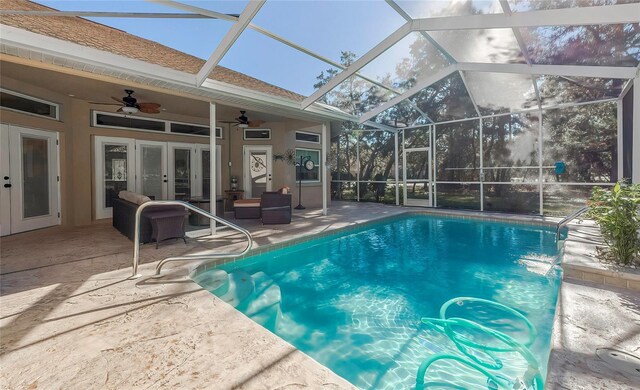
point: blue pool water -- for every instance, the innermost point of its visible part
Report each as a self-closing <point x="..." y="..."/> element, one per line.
<point x="354" y="301"/>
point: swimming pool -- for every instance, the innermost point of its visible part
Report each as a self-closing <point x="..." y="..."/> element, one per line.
<point x="367" y="302"/>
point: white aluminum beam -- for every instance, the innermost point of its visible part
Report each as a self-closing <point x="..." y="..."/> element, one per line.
<point x="609" y="14"/>
<point x="229" y="39"/>
<point x="195" y="10"/>
<point x="473" y="101"/>
<point x="616" y="72"/>
<point x="359" y="64"/>
<point x="325" y="171"/>
<point x="408" y="93"/>
<point x="97" y="14"/>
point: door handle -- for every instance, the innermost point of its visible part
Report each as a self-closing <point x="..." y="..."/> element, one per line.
<point x="6" y="177"/>
<point x="165" y="180"/>
<point x="7" y="186"/>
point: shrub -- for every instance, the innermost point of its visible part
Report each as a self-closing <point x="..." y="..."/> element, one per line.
<point x="617" y="213"/>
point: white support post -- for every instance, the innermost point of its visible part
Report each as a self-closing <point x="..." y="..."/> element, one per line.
<point x="620" y="146"/>
<point x="481" y="176"/>
<point x="397" y="170"/>
<point x="540" y="142"/>
<point x="229" y="39"/>
<point x="433" y="158"/>
<point x="635" y="163"/>
<point x="326" y="172"/>
<point x="358" y="166"/>
<point x="212" y="165"/>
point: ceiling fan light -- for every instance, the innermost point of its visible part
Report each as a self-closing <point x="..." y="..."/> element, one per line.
<point x="129" y="110"/>
<point x="243" y="125"/>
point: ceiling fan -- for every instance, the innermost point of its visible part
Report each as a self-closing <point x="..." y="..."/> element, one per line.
<point x="130" y="105"/>
<point x="243" y="122"/>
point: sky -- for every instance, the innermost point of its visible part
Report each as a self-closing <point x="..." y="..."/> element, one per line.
<point x="325" y="27"/>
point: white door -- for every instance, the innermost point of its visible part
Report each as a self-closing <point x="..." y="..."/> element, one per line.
<point x="30" y="183"/>
<point x="115" y="171"/>
<point x="203" y="171"/>
<point x="257" y="170"/>
<point x="182" y="173"/>
<point x="151" y="169"/>
<point x="417" y="177"/>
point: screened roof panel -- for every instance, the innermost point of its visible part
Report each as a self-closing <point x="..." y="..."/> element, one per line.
<point x="356" y="96"/>
<point x="330" y="27"/>
<point x="496" y="45"/>
<point x="533" y="5"/>
<point x="400" y="115"/>
<point x="266" y="59"/>
<point x="408" y="61"/>
<point x="556" y="90"/>
<point x="496" y="93"/>
<point x="428" y="9"/>
<point x="611" y="44"/>
<point x="446" y="100"/>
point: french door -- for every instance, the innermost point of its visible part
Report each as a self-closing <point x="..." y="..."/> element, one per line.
<point x="162" y="170"/>
<point x="29" y="196"/>
<point x="257" y="170"/>
<point x="416" y="171"/>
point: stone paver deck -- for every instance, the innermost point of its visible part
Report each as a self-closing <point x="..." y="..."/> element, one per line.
<point x="70" y="318"/>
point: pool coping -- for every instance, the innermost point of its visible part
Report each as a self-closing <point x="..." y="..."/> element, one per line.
<point x="465" y="215"/>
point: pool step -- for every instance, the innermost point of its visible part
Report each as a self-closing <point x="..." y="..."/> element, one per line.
<point x="215" y="281"/>
<point x="241" y="285"/>
<point x="263" y="305"/>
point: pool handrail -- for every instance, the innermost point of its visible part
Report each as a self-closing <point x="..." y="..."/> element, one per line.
<point x="136" y="240"/>
<point x="565" y="221"/>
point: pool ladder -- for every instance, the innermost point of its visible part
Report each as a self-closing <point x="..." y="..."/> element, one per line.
<point x="565" y="221"/>
<point x="136" y="240"/>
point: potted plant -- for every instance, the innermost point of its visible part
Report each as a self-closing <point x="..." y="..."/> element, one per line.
<point x="617" y="212"/>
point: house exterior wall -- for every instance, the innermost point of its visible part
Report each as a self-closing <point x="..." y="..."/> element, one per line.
<point x="76" y="136"/>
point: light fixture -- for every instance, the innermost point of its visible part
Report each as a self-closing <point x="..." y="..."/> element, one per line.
<point x="129" y="110"/>
<point x="243" y="125"/>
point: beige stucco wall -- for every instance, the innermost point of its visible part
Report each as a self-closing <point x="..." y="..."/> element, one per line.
<point x="76" y="134"/>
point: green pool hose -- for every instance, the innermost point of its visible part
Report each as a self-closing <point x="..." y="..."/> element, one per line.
<point x="463" y="344"/>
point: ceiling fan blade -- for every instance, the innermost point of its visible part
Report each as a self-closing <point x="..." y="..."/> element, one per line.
<point x="106" y="104"/>
<point x="148" y="106"/>
<point x="255" y="123"/>
<point x="117" y="100"/>
<point x="148" y="110"/>
<point x="119" y="109"/>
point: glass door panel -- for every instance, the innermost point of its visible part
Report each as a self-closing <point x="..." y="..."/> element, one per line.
<point x="35" y="177"/>
<point x="115" y="171"/>
<point x="181" y="171"/>
<point x="257" y="171"/>
<point x="151" y="170"/>
<point x="417" y="177"/>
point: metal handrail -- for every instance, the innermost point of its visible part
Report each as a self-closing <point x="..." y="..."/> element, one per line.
<point x="565" y="221"/>
<point x="136" y="240"/>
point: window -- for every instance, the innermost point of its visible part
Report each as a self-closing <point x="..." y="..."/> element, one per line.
<point x="187" y="128"/>
<point x="303" y="136"/>
<point x="30" y="105"/>
<point x="257" y="134"/>
<point x="127" y="122"/>
<point x="308" y="176"/>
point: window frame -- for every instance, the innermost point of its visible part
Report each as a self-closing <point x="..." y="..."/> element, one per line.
<point x="244" y="134"/>
<point x="319" y="180"/>
<point x="35" y="99"/>
<point x="167" y="125"/>
<point x="308" y="133"/>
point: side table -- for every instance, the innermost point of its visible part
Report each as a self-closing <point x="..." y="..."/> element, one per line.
<point x="167" y="224"/>
<point x="232" y="196"/>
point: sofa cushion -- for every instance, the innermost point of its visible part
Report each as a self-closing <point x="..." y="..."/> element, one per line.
<point x="133" y="197"/>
